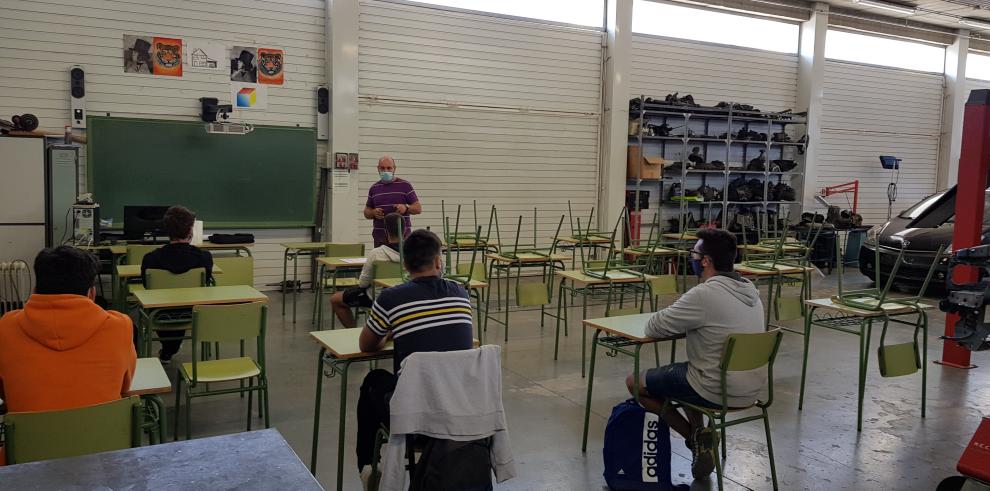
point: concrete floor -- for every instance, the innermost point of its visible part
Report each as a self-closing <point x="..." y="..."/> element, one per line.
<point x="816" y="449"/>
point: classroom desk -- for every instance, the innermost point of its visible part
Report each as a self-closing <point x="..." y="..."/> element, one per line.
<point x="210" y="246"/>
<point x="500" y="266"/>
<point x="127" y="271"/>
<point x="338" y="349"/>
<point x="151" y="301"/>
<point x="150" y="380"/>
<point x="576" y="282"/>
<point x="590" y="241"/>
<point x="859" y="322"/>
<point x="292" y="251"/>
<point x="333" y="265"/>
<point x="253" y="460"/>
<point x="680" y="236"/>
<point x="474" y="286"/>
<point x="773" y="274"/>
<point x="622" y="331"/>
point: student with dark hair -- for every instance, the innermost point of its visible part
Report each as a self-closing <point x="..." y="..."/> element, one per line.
<point x="343" y="302"/>
<point x="723" y="303"/>
<point x="177" y="257"/>
<point x="62" y="350"/>
<point x="428" y="313"/>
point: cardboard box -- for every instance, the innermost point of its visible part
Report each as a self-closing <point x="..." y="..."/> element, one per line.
<point x="652" y="166"/>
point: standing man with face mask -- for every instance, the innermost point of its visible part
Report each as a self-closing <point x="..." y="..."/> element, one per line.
<point x="390" y="195"/>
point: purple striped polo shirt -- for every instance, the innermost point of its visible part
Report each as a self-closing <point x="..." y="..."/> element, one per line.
<point x="386" y="196"/>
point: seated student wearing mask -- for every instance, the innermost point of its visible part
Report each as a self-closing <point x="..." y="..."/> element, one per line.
<point x="343" y="302"/>
<point x="63" y="351"/>
<point x="428" y="313"/>
<point x="177" y="257"/>
<point x="723" y="303"/>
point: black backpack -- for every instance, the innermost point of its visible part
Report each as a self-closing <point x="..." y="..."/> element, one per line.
<point x="448" y="465"/>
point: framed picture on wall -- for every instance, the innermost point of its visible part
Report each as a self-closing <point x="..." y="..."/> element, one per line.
<point x="340" y="160"/>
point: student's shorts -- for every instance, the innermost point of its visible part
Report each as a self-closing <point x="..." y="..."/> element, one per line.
<point x="670" y="382"/>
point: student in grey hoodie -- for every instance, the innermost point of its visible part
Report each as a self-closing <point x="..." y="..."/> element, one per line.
<point x="723" y="303"/>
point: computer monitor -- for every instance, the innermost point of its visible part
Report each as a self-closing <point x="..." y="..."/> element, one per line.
<point x="141" y="220"/>
<point x="890" y="162"/>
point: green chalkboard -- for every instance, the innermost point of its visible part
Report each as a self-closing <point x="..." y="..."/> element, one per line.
<point x="264" y="179"/>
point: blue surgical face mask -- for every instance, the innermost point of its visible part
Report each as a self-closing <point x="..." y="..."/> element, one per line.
<point x="696" y="266"/>
<point x="386" y="176"/>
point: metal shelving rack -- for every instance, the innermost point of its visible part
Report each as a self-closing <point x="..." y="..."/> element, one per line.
<point x="729" y="121"/>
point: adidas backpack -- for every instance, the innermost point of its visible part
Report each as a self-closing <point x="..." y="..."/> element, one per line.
<point x="637" y="450"/>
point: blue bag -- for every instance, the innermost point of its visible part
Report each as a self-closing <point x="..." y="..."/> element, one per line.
<point x="637" y="450"/>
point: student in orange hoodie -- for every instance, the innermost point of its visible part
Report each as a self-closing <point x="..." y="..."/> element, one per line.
<point x="62" y="350"/>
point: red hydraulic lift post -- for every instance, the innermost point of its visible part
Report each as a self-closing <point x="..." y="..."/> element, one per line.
<point x="974" y="163"/>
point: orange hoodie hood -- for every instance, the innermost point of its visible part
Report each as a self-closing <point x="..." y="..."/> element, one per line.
<point x="61" y="322"/>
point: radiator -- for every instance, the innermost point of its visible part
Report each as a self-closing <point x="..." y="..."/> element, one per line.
<point x="15" y="285"/>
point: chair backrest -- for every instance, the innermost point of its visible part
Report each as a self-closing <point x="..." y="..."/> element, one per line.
<point x="476" y="271"/>
<point x="234" y="322"/>
<point x="665" y="284"/>
<point x="344" y="250"/>
<point x="237" y="270"/>
<point x="386" y="269"/>
<point x="136" y="252"/>
<point x="159" y="278"/>
<point x="749" y="351"/>
<point x="46" y="435"/>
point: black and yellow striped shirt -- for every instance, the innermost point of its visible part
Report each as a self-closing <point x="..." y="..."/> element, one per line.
<point x="425" y="314"/>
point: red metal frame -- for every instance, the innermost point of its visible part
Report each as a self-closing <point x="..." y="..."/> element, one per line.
<point x="974" y="162"/>
<point x="849" y="187"/>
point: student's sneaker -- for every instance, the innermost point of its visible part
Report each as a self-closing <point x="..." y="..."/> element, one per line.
<point x="703" y="450"/>
<point x="165" y="360"/>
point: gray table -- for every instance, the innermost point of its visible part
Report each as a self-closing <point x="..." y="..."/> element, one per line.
<point x="256" y="460"/>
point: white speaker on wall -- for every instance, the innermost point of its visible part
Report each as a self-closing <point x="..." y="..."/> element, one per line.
<point x="322" y="113"/>
<point x="77" y="96"/>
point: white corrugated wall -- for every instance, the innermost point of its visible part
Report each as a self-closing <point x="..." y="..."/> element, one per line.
<point x="476" y="106"/>
<point x="870" y="111"/>
<point x="41" y="39"/>
<point x="711" y="73"/>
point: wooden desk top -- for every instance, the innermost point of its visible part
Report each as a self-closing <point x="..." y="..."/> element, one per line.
<point x="204" y="295"/>
<point x="210" y="245"/>
<point x="332" y="263"/>
<point x="149" y="378"/>
<point x="656" y="251"/>
<point x="134" y="270"/>
<point x="614" y="276"/>
<point x="459" y="243"/>
<point x="592" y="239"/>
<point x="889" y="308"/>
<point x="770" y="249"/>
<point x="343" y="343"/>
<point x="527" y="257"/>
<point x="389" y="282"/>
<point x="750" y="270"/>
<point x="632" y="327"/>
<point x="304" y="246"/>
<point x="115" y="249"/>
<point x="679" y="236"/>
<point x="247" y="460"/>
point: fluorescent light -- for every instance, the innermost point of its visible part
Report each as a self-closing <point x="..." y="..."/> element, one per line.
<point x="979" y="24"/>
<point x="894" y="7"/>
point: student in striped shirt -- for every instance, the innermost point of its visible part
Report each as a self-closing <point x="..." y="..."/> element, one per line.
<point x="428" y="313"/>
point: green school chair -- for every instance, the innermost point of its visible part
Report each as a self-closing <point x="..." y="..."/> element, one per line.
<point x="237" y="270"/>
<point x="742" y="352"/>
<point x="170" y="319"/>
<point x="44" y="435"/>
<point x="218" y="324"/>
<point x="136" y="252"/>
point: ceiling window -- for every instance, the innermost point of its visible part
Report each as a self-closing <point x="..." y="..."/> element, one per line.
<point x="875" y="50"/>
<point x="580" y="12"/>
<point x="674" y="21"/>
<point x="977" y="66"/>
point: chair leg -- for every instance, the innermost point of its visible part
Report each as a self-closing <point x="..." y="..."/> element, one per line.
<point x="718" y="462"/>
<point x="250" y="400"/>
<point x="773" y="464"/>
<point x="178" y="402"/>
<point x="264" y="393"/>
<point x="722" y="431"/>
<point x="188" y="415"/>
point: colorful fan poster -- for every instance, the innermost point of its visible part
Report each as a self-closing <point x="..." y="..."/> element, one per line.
<point x="167" y="56"/>
<point x="271" y="63"/>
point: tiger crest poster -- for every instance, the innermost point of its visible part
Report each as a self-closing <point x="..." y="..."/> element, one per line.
<point x="168" y="57"/>
<point x="153" y="55"/>
<point x="271" y="63"/>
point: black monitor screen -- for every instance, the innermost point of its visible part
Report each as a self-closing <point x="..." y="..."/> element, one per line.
<point x="141" y="220"/>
